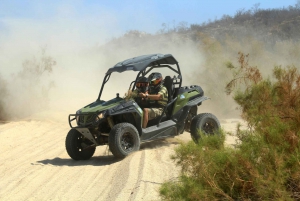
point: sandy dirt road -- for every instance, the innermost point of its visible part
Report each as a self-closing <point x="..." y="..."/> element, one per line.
<point x="35" y="166"/>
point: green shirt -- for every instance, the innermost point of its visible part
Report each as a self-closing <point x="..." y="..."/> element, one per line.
<point x="164" y="96"/>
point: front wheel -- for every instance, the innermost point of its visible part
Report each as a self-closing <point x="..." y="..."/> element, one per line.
<point x="74" y="146"/>
<point x="205" y="122"/>
<point x="123" y="139"/>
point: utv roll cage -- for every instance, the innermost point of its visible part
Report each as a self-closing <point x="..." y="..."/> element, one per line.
<point x="145" y="64"/>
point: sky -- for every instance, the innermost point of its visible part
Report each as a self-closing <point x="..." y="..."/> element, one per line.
<point x="113" y="18"/>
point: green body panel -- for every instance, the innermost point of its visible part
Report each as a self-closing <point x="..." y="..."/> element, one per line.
<point x="140" y="110"/>
<point x="182" y="99"/>
<point x="101" y="106"/>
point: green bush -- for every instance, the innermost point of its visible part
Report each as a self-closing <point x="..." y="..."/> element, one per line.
<point x="266" y="163"/>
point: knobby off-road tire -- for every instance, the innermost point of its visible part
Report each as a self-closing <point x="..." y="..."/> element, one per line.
<point x="74" y="147"/>
<point x="207" y="123"/>
<point x="123" y="139"/>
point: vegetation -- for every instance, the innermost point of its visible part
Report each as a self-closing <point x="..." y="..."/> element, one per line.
<point x="266" y="163"/>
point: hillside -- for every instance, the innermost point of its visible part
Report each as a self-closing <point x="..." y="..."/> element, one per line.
<point x="265" y="24"/>
<point x="272" y="24"/>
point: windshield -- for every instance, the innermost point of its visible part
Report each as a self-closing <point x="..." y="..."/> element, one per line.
<point x="120" y="82"/>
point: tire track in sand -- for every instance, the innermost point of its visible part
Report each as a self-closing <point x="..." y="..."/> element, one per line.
<point x="119" y="178"/>
<point x="136" y="188"/>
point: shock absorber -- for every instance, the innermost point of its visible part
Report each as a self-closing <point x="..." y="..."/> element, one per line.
<point x="110" y="121"/>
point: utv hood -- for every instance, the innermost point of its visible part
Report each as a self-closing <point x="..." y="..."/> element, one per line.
<point x="101" y="105"/>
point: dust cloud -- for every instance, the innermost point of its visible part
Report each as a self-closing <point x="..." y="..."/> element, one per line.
<point x="71" y="42"/>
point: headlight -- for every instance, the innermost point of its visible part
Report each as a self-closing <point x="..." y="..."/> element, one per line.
<point x="101" y="115"/>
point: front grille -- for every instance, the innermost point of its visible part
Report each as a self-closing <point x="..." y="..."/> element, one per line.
<point x="86" y="119"/>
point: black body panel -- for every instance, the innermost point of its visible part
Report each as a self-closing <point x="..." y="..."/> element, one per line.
<point x="123" y="107"/>
<point x="182" y="116"/>
<point x="165" y="129"/>
<point x="127" y="107"/>
<point x="197" y="101"/>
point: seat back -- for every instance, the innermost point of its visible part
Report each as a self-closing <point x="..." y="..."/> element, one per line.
<point x="168" y="83"/>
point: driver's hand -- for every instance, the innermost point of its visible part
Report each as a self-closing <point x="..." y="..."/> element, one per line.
<point x="142" y="95"/>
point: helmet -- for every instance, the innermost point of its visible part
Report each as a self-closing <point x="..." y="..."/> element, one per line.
<point x="142" y="84"/>
<point x="155" y="80"/>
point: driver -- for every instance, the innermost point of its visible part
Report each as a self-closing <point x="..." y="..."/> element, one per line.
<point x="157" y="98"/>
<point x="142" y="86"/>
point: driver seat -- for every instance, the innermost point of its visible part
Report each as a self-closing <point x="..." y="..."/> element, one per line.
<point x="168" y="83"/>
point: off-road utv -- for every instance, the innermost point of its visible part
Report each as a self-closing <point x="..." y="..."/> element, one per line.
<point x="118" y="122"/>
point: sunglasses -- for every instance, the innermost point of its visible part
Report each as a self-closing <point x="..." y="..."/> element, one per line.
<point x="142" y="84"/>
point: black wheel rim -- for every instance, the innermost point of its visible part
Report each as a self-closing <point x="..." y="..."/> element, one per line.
<point x="127" y="142"/>
<point x="209" y="127"/>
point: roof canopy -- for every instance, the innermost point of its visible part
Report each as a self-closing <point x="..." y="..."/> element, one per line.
<point x="141" y="62"/>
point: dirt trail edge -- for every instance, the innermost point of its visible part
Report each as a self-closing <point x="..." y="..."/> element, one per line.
<point x="35" y="166"/>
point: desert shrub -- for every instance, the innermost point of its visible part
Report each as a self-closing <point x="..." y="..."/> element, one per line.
<point x="271" y="107"/>
<point x="196" y="176"/>
<point x="266" y="163"/>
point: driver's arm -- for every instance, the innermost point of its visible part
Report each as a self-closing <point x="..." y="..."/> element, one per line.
<point x="151" y="96"/>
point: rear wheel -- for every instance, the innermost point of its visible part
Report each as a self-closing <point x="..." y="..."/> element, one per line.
<point x="75" y="143"/>
<point x="123" y="139"/>
<point x="207" y="123"/>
